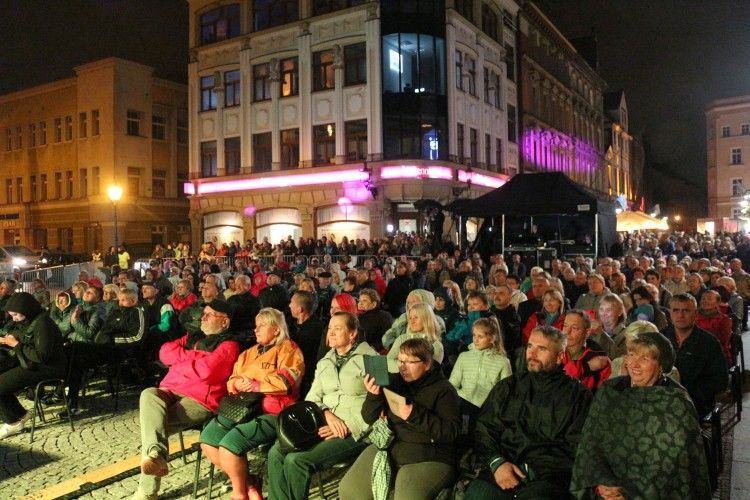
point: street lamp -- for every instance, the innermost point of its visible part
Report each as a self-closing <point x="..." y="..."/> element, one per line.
<point x="115" y="194"/>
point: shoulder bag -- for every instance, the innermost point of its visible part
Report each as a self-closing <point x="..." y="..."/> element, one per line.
<point x="297" y="426"/>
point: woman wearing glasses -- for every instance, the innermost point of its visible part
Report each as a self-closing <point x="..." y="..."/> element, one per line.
<point x="273" y="367"/>
<point x="414" y="443"/>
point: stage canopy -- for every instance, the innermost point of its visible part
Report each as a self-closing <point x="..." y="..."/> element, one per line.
<point x="638" y="221"/>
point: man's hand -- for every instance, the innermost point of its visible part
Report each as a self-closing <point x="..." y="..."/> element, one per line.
<point x="598" y="363"/>
<point x="508" y="476"/>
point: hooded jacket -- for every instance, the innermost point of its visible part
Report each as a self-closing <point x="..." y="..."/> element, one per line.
<point x="61" y="317"/>
<point x="88" y="322"/>
<point x="39" y="339"/>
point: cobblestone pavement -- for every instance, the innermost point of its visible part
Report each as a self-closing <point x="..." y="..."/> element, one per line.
<point x="101" y="438"/>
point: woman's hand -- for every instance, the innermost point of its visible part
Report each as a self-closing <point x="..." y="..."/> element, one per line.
<point x="335" y="428"/>
<point x="405" y="410"/>
<point x="370" y="385"/>
<point x="243" y="384"/>
<point x="9" y="340"/>
<point x="610" y="492"/>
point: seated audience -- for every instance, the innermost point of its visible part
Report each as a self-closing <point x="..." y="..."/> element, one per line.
<point x="583" y="358"/>
<point x="373" y="320"/>
<point x="422" y="324"/>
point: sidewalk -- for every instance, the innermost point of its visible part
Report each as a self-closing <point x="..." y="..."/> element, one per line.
<point x="741" y="449"/>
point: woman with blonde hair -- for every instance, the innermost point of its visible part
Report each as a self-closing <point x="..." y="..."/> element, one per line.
<point x="399" y="326"/>
<point x="273" y="367"/>
<point x="456" y="294"/>
<point x="422" y="323"/>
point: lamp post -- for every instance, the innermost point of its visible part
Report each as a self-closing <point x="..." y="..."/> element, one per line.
<point x="115" y="194"/>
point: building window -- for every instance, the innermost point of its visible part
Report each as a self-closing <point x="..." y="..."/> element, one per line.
<point x="736" y="156"/>
<point x="323" y="71"/>
<point x="43" y="133"/>
<point x="43" y="187"/>
<point x="208" y="159"/>
<point x="82" y="125"/>
<point x="737" y="213"/>
<point x="510" y="62"/>
<point x="68" y="184"/>
<point x="326" y="6"/>
<point x="68" y="128"/>
<point x="459" y="70"/>
<point x="737" y="188"/>
<point x="158" y="128"/>
<point x="58" y="189"/>
<point x="94" y="122"/>
<point x="19" y="137"/>
<point x="8" y="139"/>
<point x="134" y="123"/>
<point x="473" y="146"/>
<point x="486" y="85"/>
<point x="471" y="72"/>
<point x="270" y="13"/>
<point x="745" y="129"/>
<point x="32" y="135"/>
<point x="220" y="23"/>
<point x="32" y="188"/>
<point x="512" y="133"/>
<point x="487" y="151"/>
<point x="58" y="129"/>
<point x="134" y="181"/>
<point x="19" y="189"/>
<point x="355" y="64"/>
<point x="499" y="155"/>
<point x="232" y="88"/>
<point x="159" y="183"/>
<point x="232" y="162"/>
<point x="261" y="82"/>
<point x="324" y="144"/>
<point x="356" y="140"/>
<point x="290" y="148"/>
<point x="8" y="191"/>
<point x="208" y="96"/>
<point x="489" y="22"/>
<point x="84" y="182"/>
<point x="460" y="142"/>
<point x="726" y="131"/>
<point x="289" y="76"/>
<point x="182" y="132"/>
<point x="465" y="8"/>
<point x="262" y="152"/>
<point x="95" y="181"/>
<point x="496" y="91"/>
<point x="413" y="63"/>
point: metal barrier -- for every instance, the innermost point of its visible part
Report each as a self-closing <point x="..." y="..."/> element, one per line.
<point x="57" y="278"/>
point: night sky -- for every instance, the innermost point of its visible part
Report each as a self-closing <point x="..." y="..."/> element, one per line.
<point x="671" y="57"/>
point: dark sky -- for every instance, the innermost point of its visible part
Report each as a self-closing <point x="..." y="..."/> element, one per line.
<point x="671" y="57"/>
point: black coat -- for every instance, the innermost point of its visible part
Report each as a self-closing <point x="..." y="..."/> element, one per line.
<point x="430" y="432"/>
<point x="527" y="308"/>
<point x="308" y="337"/>
<point x="373" y="324"/>
<point x="394" y="299"/>
<point x="510" y="322"/>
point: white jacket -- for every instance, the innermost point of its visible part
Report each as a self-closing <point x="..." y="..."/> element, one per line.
<point x="476" y="373"/>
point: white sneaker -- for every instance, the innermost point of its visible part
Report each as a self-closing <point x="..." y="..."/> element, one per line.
<point x="14" y="428"/>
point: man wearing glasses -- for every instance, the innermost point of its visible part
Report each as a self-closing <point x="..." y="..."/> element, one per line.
<point x="199" y="365"/>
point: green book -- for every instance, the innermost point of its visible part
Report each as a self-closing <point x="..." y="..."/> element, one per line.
<point x="377" y="367"/>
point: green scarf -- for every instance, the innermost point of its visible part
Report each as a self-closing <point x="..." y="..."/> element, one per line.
<point x="340" y="359"/>
<point x="381" y="436"/>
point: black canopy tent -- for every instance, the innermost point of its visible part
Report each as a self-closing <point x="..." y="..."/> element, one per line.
<point x="545" y="194"/>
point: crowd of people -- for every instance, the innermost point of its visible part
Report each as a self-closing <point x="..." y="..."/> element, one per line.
<point x="586" y="379"/>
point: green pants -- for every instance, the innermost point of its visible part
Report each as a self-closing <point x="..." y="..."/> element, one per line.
<point x="420" y="481"/>
<point x="163" y="413"/>
<point x="289" y="475"/>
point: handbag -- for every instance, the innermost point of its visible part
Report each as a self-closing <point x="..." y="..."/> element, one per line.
<point x="240" y="407"/>
<point x="297" y="426"/>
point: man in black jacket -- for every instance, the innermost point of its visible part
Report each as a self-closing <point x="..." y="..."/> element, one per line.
<point x="307" y="332"/>
<point x="534" y="303"/>
<point x="373" y="322"/>
<point x="529" y="426"/>
<point x="245" y="308"/>
<point x="274" y="295"/>
<point x="700" y="361"/>
<point x="508" y="317"/>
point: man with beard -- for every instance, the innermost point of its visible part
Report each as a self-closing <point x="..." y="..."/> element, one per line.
<point x="528" y="429"/>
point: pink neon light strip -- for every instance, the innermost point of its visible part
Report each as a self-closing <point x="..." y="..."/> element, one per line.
<point x="279" y="181"/>
<point x="415" y="172"/>
<point x="480" y="179"/>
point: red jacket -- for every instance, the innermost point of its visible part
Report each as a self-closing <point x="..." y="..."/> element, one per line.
<point x="720" y="326"/>
<point x="532" y="322"/>
<point x="200" y="375"/>
<point x="579" y="368"/>
<point x="180" y="304"/>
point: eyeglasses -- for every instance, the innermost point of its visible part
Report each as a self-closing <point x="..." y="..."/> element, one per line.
<point x="214" y="315"/>
<point x="402" y="362"/>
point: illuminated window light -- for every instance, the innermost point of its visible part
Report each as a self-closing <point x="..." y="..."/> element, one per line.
<point x="480" y="179"/>
<point x="279" y="181"/>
